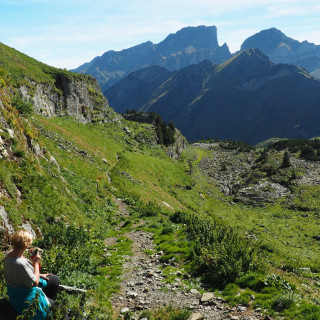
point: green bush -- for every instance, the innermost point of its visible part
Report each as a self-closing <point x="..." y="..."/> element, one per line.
<point x="252" y="280"/>
<point x="19" y="153"/>
<point x="231" y="290"/>
<point x="283" y="302"/>
<point x="308" y="312"/>
<point x="167" y="229"/>
<point x="22" y="105"/>
<point x="69" y="253"/>
<point x="220" y="255"/>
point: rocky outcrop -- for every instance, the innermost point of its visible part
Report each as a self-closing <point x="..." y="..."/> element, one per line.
<point x="6" y="228"/>
<point x="262" y="192"/>
<point x="76" y="96"/>
<point x="175" y="150"/>
<point x="230" y="170"/>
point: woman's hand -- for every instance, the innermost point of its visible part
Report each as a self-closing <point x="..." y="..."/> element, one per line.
<point x="36" y="259"/>
<point x="45" y="276"/>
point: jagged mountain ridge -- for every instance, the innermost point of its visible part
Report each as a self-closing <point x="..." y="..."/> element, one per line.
<point x="247" y="98"/>
<point x="282" y="49"/>
<point x="192" y="45"/>
<point x="189" y="45"/>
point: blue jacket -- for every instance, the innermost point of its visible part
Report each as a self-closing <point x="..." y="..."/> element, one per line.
<point x="21" y="297"/>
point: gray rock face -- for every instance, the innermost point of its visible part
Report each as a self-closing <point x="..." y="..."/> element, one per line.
<point x="282" y="49"/>
<point x="175" y="150"/>
<point x="190" y="45"/>
<point x="78" y="97"/>
<point x="5" y="224"/>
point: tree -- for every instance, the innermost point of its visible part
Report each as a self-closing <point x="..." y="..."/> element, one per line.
<point x="307" y="152"/>
<point x="286" y="160"/>
<point x="157" y="123"/>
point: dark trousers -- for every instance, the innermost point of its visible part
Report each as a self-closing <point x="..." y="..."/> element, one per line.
<point x="51" y="289"/>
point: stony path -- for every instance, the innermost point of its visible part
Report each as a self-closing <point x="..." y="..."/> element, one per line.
<point x="143" y="286"/>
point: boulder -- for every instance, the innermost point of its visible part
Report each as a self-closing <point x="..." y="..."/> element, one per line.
<point x="206" y="297"/>
<point x="196" y="316"/>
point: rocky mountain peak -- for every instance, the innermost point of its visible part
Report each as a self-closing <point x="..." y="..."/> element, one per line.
<point x="246" y="62"/>
<point x="266" y="40"/>
<point x="188" y="46"/>
<point x="198" y="37"/>
<point x="282" y="49"/>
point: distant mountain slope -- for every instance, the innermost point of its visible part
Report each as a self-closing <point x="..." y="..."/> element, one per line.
<point x="247" y="98"/>
<point x="190" y="45"/>
<point x="282" y="49"/>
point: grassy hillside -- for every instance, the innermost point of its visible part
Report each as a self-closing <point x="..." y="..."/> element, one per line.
<point x="15" y="67"/>
<point x="100" y="162"/>
<point x="64" y="180"/>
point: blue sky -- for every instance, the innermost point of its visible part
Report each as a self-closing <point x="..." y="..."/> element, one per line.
<point x="67" y="33"/>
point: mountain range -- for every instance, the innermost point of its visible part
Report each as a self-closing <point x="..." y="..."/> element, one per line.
<point x="189" y="45"/>
<point x="248" y="98"/>
<point x="192" y="45"/>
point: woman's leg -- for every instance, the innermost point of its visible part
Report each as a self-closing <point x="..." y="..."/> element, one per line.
<point x="51" y="288"/>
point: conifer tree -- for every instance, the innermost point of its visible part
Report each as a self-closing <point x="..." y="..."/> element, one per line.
<point x="286" y="160"/>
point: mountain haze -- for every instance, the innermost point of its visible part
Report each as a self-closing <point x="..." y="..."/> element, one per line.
<point x="247" y="98"/>
<point x="189" y="45"/>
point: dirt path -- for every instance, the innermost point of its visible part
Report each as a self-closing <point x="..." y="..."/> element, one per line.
<point x="143" y="286"/>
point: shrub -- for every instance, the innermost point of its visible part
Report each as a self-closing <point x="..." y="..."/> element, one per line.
<point x="231" y="290"/>
<point x="2" y="83"/>
<point x="167" y="230"/>
<point x="283" y="302"/>
<point x="68" y="252"/>
<point x="278" y="282"/>
<point x="23" y="106"/>
<point x="219" y="254"/>
<point x="309" y="312"/>
<point x="252" y="280"/>
<point x="178" y="217"/>
<point x="19" y="154"/>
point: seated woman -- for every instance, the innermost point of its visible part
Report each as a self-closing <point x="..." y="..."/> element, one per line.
<point x="23" y="278"/>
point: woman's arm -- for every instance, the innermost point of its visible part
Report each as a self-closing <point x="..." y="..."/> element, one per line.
<point x="36" y="265"/>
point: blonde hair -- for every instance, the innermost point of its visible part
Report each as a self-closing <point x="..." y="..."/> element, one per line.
<point x="21" y="239"/>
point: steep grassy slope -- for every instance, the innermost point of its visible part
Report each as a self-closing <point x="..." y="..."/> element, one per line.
<point x="21" y="66"/>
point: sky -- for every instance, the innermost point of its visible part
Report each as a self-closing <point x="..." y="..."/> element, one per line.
<point x="68" y="33"/>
